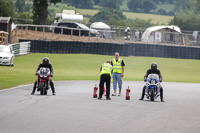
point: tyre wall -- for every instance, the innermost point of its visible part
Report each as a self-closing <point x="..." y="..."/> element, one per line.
<point x="127" y="49"/>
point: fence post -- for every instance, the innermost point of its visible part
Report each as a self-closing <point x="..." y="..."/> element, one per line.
<point x="71" y="33"/>
<point x="35" y="28"/>
<point x="43" y="30"/>
<point x="79" y="34"/>
<point x="89" y="37"/>
<point x="62" y="31"/>
<point x="52" y="31"/>
<point x="26" y="29"/>
<point x="21" y="30"/>
<point x="16" y="30"/>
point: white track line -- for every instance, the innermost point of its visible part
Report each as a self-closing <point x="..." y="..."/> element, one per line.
<point x="14" y="87"/>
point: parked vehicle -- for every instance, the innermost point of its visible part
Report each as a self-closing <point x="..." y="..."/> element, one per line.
<point x="153" y="86"/>
<point x="6" y="55"/>
<point x="78" y="29"/>
<point x="44" y="75"/>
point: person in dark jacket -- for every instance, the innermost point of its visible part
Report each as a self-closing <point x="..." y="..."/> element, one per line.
<point x="153" y="70"/>
<point x="45" y="63"/>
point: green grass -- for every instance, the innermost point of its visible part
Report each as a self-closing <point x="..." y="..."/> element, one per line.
<point x="161" y="19"/>
<point x="86" y="67"/>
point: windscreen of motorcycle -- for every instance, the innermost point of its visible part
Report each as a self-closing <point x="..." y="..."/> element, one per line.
<point x="44" y="72"/>
<point x="153" y="76"/>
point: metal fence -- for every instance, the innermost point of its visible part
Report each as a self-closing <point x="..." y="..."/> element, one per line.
<point x="49" y="32"/>
<point x="116" y="35"/>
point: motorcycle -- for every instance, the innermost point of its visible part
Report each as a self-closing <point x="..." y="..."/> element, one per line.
<point x="153" y="86"/>
<point x="127" y="36"/>
<point x="44" y="75"/>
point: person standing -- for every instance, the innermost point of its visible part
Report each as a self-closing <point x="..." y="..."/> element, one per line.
<point x="136" y="35"/>
<point x="118" y="73"/>
<point x="105" y="76"/>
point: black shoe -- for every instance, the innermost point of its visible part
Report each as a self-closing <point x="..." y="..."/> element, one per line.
<point x="99" y="98"/>
<point x="140" y="99"/>
<point x="54" y="93"/>
<point x="162" y="101"/>
<point x="114" y="94"/>
<point x="108" y="98"/>
<point x="32" y="93"/>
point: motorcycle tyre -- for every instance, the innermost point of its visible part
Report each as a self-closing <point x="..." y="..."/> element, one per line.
<point x="152" y="95"/>
<point x="42" y="89"/>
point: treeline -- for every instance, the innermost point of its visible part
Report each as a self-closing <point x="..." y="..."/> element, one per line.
<point x="186" y="12"/>
<point x="162" y="7"/>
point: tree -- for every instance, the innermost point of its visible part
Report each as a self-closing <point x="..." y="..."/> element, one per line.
<point x="20" y="5"/>
<point x="40" y="12"/>
<point x="96" y="2"/>
<point x="58" y="8"/>
<point x="23" y="18"/>
<point x="188" y="19"/>
<point x="6" y="8"/>
<point x="115" y="4"/>
<point x="139" y="23"/>
<point x="148" y="6"/>
<point x="109" y="16"/>
<point x="85" y="4"/>
<point x="141" y="5"/>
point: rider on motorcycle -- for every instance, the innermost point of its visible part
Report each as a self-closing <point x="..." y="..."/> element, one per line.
<point x="127" y="32"/>
<point x="45" y="63"/>
<point x="153" y="70"/>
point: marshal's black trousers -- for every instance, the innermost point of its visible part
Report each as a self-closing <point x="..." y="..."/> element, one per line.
<point x="104" y="78"/>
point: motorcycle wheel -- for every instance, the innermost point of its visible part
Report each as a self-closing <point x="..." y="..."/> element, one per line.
<point x="152" y="94"/>
<point x="42" y="89"/>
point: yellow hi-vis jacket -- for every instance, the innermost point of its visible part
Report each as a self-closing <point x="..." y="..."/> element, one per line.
<point x="106" y="69"/>
<point x="117" y="67"/>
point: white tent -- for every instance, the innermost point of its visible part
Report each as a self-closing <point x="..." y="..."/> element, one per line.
<point x="104" y="29"/>
<point x="163" y="34"/>
<point x="99" y="25"/>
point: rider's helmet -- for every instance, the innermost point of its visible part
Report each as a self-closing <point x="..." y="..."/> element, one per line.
<point x="128" y="28"/>
<point x="45" y="61"/>
<point x="153" y="66"/>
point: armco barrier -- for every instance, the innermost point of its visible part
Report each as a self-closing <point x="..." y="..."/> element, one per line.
<point x="128" y="49"/>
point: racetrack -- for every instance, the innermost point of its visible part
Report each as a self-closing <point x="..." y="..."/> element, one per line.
<point x="74" y="110"/>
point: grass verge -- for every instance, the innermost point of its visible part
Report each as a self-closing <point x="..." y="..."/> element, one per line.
<point x="87" y="66"/>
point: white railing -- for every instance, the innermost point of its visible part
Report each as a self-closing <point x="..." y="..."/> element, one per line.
<point x="21" y="48"/>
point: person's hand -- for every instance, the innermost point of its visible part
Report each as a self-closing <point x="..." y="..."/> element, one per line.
<point x="160" y="79"/>
<point x="145" y="79"/>
<point x="122" y="75"/>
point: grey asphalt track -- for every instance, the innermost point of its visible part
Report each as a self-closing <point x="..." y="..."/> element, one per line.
<point x="74" y="110"/>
